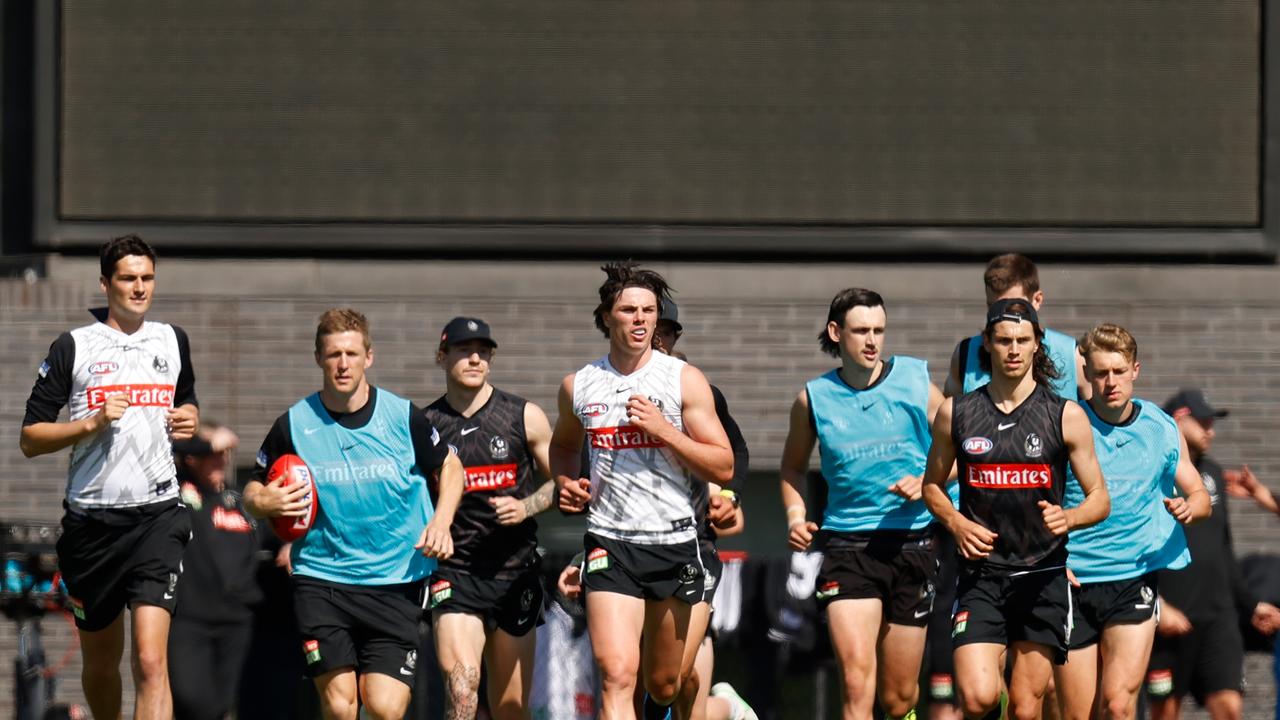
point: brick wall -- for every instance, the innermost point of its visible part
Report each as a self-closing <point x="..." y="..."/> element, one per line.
<point x="751" y="328"/>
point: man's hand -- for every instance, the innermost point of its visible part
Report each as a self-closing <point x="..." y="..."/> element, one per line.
<point x="1179" y="509"/>
<point x="908" y="488"/>
<point x="284" y="557"/>
<point x="642" y="413"/>
<point x="436" y="542"/>
<point x="574" y="495"/>
<point x="275" y="499"/>
<point x="1266" y="618"/>
<point x="1071" y="578"/>
<point x="112" y="410"/>
<point x="183" y="422"/>
<point x="570" y="582"/>
<point x="1055" y="518"/>
<point x="510" y="511"/>
<point x="973" y="540"/>
<point x="801" y="535"/>
<point x="721" y="512"/>
<point x="1173" y="623"/>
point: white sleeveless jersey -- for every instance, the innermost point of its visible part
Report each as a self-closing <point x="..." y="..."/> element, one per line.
<point x="131" y="462"/>
<point x="640" y="492"/>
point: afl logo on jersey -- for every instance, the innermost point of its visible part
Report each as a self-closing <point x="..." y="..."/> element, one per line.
<point x="1033" y="447"/>
<point x="977" y="445"/>
<point x="103" y="367"/>
<point x="595" y="410"/>
<point x="498" y="448"/>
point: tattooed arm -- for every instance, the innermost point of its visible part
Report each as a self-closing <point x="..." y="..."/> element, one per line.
<point x="537" y="432"/>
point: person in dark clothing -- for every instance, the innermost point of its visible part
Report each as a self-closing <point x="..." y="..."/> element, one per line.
<point x="1198" y="646"/>
<point x="211" y="628"/>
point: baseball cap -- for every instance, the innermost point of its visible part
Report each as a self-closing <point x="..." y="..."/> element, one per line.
<point x="671" y="313"/>
<point x="1002" y="310"/>
<point x="194" y="447"/>
<point x="1191" y="401"/>
<point x="462" y="329"/>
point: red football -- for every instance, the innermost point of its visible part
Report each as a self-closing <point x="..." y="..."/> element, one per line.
<point x="287" y="470"/>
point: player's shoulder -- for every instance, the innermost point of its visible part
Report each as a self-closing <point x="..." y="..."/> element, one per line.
<point x="509" y="398"/>
<point x="1153" y="414"/>
<point x="439" y="406"/>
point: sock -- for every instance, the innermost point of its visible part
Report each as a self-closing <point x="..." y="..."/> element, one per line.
<point x="654" y="711"/>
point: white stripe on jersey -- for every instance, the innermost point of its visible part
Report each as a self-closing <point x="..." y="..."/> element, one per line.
<point x="639" y="491"/>
<point x="130" y="463"/>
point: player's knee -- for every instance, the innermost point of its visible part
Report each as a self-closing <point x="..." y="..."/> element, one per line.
<point x="977" y="702"/>
<point x="1119" y="707"/>
<point x="151" y="665"/>
<point x="616" y="674"/>
<point x="897" y="702"/>
<point x="1026" y="710"/>
<point x="387" y="706"/>
<point x="662" y="686"/>
<point x="1225" y="705"/>
<point x="859" y="686"/>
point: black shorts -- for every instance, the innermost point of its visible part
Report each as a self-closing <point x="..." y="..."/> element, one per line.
<point x="122" y="557"/>
<point x="652" y="572"/>
<point x="1119" y="602"/>
<point x="899" y="568"/>
<point x="996" y="607"/>
<point x="938" y="656"/>
<point x="513" y="606"/>
<point x="373" y="629"/>
<point x="1206" y="660"/>
<point x="712" y="569"/>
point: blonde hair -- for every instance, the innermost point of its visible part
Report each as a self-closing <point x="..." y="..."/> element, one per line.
<point x="1109" y="337"/>
<point x="338" y="320"/>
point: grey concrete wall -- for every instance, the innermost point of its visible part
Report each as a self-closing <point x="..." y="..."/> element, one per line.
<point x="752" y="329"/>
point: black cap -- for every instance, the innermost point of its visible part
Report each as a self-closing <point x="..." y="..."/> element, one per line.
<point x="462" y="329"/>
<point x="194" y="447"/>
<point x="1191" y="401"/>
<point x="1000" y="311"/>
<point x="671" y="313"/>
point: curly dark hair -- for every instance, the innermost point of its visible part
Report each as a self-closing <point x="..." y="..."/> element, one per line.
<point x="622" y="275"/>
<point x="1043" y="368"/>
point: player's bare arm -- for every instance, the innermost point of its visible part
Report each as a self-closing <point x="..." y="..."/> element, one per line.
<point x="1193" y="503"/>
<point x="703" y="447"/>
<point x="47" y="437"/>
<point x="955" y="384"/>
<point x="795" y="463"/>
<point x="564" y="454"/>
<point x="436" y="541"/>
<point x="972" y="540"/>
<point x="537" y="430"/>
<point x="1078" y="435"/>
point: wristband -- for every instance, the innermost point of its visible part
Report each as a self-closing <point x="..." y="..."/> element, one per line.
<point x="794" y="511"/>
<point x="732" y="497"/>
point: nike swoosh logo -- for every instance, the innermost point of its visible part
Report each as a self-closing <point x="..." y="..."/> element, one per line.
<point x="168" y="596"/>
<point x="469" y="430"/>
<point x="1005" y="426"/>
<point x="621" y="390"/>
<point x="919" y="614"/>
<point x="310" y="431"/>
<point x="406" y="673"/>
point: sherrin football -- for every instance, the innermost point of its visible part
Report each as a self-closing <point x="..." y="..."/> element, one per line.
<point x="287" y="470"/>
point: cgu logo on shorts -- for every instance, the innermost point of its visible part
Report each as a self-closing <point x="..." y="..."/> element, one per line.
<point x="490" y="477"/>
<point x="960" y="623"/>
<point x="140" y="395"/>
<point x="597" y="560"/>
<point x="625" y="437"/>
<point x="1009" y="476"/>
<point x="441" y="590"/>
<point x="311" y="649"/>
<point x="977" y="445"/>
<point x="1160" y="682"/>
<point x="831" y="589"/>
